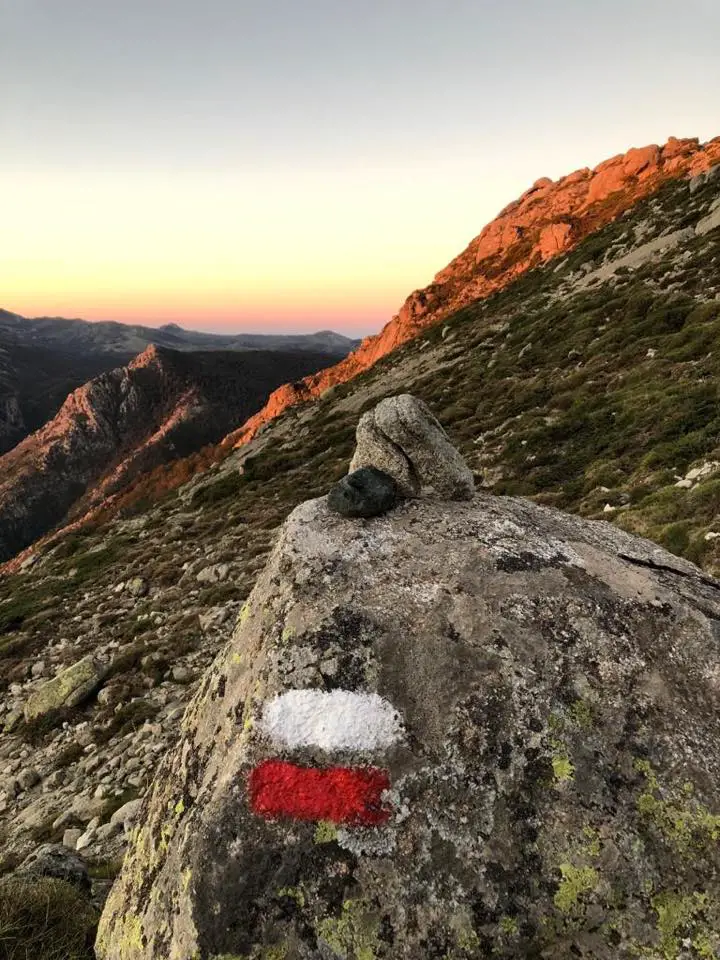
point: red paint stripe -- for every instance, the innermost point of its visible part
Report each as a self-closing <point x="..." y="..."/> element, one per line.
<point x="351" y="795"/>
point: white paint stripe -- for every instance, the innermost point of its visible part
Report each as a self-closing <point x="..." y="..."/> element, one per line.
<point x="338" y="720"/>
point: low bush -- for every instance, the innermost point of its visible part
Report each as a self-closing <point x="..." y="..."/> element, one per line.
<point x="45" y="919"/>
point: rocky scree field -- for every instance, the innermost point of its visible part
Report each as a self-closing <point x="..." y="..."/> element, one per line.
<point x="590" y="384"/>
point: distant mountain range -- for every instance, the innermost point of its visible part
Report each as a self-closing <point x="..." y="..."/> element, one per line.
<point x="163" y="405"/>
<point x="43" y="359"/>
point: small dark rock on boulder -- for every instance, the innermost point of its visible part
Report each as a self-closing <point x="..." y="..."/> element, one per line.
<point x="366" y="492"/>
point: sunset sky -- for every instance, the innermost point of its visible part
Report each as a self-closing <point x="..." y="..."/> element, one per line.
<point x="302" y="164"/>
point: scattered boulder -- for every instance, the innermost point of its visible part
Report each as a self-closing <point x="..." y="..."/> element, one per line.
<point x="127" y="814"/>
<point x="28" y="778"/>
<point x="710" y="222"/>
<point x="12" y="719"/>
<point x="514" y="755"/>
<point x="703" y="470"/>
<point x="401" y="437"/>
<point x="181" y="674"/>
<point x="85" y="839"/>
<point x="215" y="573"/>
<point x="113" y="693"/>
<point x="55" y="860"/>
<point x="701" y="179"/>
<point x="367" y="492"/>
<point x="68" y="689"/>
<point x="71" y="837"/>
<point x="137" y="587"/>
<point x="212" y="618"/>
<point x="107" y="830"/>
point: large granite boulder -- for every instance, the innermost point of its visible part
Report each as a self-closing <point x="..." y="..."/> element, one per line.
<point x="459" y="730"/>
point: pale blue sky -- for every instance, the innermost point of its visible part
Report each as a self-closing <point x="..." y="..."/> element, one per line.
<point x="358" y="146"/>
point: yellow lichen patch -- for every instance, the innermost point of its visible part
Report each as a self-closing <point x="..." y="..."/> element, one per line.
<point x="186" y="878"/>
<point x="581" y="714"/>
<point x="179" y="808"/>
<point x="276" y="952"/>
<point x="295" y="893"/>
<point x="167" y="832"/>
<point x="592" y="847"/>
<point x="129" y="938"/>
<point x="686" y="824"/>
<point x="244" y="612"/>
<point x="509" y="926"/>
<point x="325" y="832"/>
<point x="556" y="723"/>
<point x="352" y="935"/>
<point x="563" y="768"/>
<point x="680" y="919"/>
<point x="466" y="937"/>
<point x="575" y="882"/>
<point x="287" y="634"/>
<point x="248" y="720"/>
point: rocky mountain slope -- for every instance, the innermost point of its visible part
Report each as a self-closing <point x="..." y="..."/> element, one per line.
<point x="462" y="729"/>
<point x="589" y="383"/>
<point x="162" y="406"/>
<point x="44" y="359"/>
<point x="549" y="218"/>
<point x="35" y="381"/>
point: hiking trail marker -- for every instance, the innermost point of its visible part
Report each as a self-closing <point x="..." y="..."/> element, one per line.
<point x="334" y="722"/>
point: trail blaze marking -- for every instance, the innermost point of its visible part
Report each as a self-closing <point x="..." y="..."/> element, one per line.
<point x="348" y="795"/>
<point x="339" y="720"/>
<point x="331" y="721"/>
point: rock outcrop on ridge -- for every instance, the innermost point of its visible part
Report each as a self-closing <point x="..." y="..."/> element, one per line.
<point x="457" y="730"/>
<point x="550" y="218"/>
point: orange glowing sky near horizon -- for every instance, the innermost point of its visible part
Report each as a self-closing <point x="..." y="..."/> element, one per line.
<point x="233" y="166"/>
<point x="233" y="250"/>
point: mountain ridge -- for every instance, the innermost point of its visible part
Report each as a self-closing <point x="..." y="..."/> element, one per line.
<point x="548" y="219"/>
<point x="162" y="405"/>
<point x="43" y="359"/>
<point x="113" y="335"/>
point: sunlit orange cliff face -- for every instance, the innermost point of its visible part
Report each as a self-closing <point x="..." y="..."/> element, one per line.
<point x="548" y="219"/>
